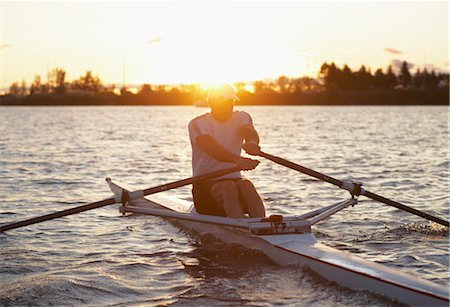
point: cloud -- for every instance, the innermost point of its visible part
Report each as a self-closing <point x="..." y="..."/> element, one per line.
<point x="431" y="67"/>
<point x="392" y="51"/>
<point x="155" y="40"/>
<point x="397" y="64"/>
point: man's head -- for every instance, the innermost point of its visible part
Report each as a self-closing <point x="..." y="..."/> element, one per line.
<point x="221" y="100"/>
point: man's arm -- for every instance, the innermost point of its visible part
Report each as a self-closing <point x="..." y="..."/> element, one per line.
<point x="251" y="137"/>
<point x="208" y="144"/>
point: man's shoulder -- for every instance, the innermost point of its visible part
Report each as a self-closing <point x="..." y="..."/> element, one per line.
<point x="242" y="115"/>
<point x="204" y="116"/>
<point x="200" y="118"/>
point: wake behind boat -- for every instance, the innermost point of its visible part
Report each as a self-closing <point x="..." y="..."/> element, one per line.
<point x="289" y="240"/>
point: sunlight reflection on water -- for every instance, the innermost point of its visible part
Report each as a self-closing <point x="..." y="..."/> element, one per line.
<point x="52" y="158"/>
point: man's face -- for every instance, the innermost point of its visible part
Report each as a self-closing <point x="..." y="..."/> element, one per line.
<point x="222" y="109"/>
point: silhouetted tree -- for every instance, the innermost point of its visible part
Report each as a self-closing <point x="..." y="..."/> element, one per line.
<point x="432" y="80"/>
<point x="145" y="89"/>
<point x="14" y="88"/>
<point x="192" y="88"/>
<point x="404" y="76"/>
<point x="88" y="82"/>
<point x="425" y="77"/>
<point x="23" y="88"/>
<point x="283" y="84"/>
<point x="391" y="79"/>
<point x="37" y="87"/>
<point x="56" y="81"/>
<point x="174" y="90"/>
<point x="60" y="81"/>
<point x="307" y="83"/>
<point x="347" y="79"/>
<point x="260" y="87"/>
<point x="161" y="88"/>
<point x="330" y="74"/>
<point x="379" y="79"/>
<point x="363" y="78"/>
<point x="417" y="80"/>
<point x="297" y="85"/>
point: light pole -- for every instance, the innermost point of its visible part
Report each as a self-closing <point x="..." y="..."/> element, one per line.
<point x="124" y="88"/>
<point x="308" y="55"/>
<point x="2" y="46"/>
<point x="154" y="40"/>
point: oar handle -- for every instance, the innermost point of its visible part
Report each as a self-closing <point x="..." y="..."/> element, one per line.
<point x="110" y="201"/>
<point x="343" y="185"/>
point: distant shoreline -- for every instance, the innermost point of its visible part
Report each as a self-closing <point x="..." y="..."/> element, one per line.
<point x="326" y="98"/>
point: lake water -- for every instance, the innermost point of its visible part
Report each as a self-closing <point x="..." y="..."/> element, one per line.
<point x="53" y="158"/>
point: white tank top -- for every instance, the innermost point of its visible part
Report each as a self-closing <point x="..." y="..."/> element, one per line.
<point x="226" y="134"/>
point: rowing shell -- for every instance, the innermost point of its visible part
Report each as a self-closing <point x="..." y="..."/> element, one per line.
<point x="297" y="248"/>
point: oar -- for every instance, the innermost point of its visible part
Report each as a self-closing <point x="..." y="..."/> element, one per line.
<point x="112" y="200"/>
<point x="354" y="189"/>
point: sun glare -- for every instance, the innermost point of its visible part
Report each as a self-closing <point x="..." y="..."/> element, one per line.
<point x="249" y="88"/>
<point x="212" y="49"/>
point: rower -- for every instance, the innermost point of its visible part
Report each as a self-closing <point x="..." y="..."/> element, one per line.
<point x="216" y="139"/>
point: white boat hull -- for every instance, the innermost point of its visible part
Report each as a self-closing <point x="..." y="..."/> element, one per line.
<point x="332" y="264"/>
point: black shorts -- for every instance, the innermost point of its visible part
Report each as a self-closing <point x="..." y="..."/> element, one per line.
<point x="203" y="200"/>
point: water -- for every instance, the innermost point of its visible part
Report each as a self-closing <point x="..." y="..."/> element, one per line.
<point x="53" y="158"/>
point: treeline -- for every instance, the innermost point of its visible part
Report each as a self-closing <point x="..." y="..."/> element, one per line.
<point x="334" y="86"/>
<point x="89" y="89"/>
<point x="57" y="84"/>
<point x="363" y="79"/>
<point x="342" y="86"/>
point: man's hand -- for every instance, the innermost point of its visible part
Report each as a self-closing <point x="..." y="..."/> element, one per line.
<point x="251" y="148"/>
<point x="246" y="164"/>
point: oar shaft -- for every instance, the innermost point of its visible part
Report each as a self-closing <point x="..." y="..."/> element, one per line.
<point x="110" y="201"/>
<point x="340" y="184"/>
<point x="187" y="181"/>
<point x="406" y="208"/>
<point x="55" y="215"/>
<point x="302" y="169"/>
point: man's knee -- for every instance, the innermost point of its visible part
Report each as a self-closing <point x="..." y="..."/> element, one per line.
<point x="245" y="185"/>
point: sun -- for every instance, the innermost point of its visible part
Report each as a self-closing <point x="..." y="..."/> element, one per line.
<point x="210" y="49"/>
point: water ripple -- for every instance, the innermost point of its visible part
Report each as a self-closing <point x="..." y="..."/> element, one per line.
<point x="56" y="158"/>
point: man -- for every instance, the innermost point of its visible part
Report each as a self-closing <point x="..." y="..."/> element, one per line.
<point x="217" y="138"/>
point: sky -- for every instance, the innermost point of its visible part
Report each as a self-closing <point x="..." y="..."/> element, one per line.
<point x="207" y="42"/>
